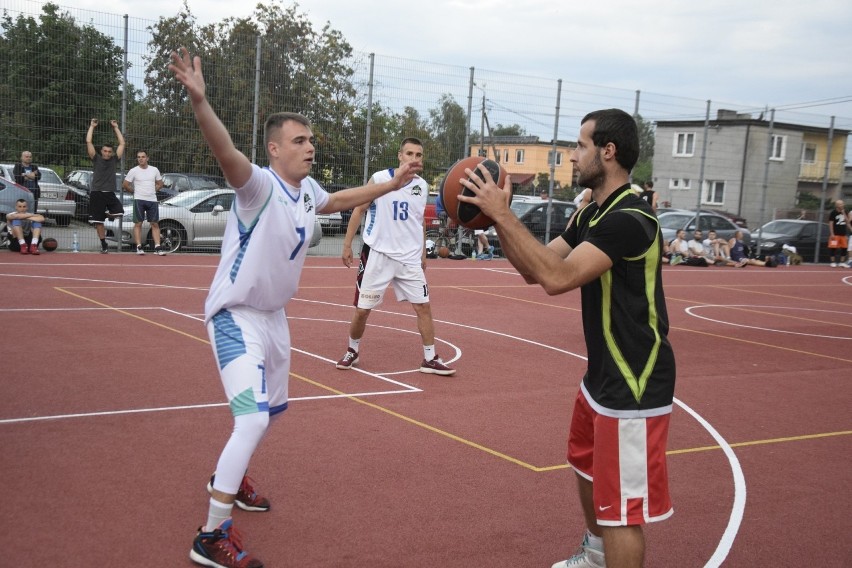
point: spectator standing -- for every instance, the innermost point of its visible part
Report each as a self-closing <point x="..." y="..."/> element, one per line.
<point x="649" y="195"/>
<point x="26" y="174"/>
<point x="611" y="250"/>
<point x="23" y="223"/>
<point x="103" y="201"/>
<point x="258" y="273"/>
<point x="838" y="226"/>
<point x="144" y="181"/>
<point x="393" y="253"/>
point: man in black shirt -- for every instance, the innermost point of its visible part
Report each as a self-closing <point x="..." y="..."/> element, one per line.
<point x="103" y="201"/>
<point x="611" y="250"/>
<point x="26" y="173"/>
<point x="838" y="223"/>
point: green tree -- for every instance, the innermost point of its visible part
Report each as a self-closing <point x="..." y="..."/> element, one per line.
<point x="509" y="130"/>
<point x="301" y="70"/>
<point x="57" y="75"/>
<point x="644" y="169"/>
<point x="449" y="126"/>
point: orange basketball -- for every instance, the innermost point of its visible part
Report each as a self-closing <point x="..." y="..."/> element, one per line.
<point x="443" y="252"/>
<point x="49" y="244"/>
<point x="466" y="214"/>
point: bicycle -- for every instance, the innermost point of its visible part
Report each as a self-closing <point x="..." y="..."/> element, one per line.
<point x="459" y="240"/>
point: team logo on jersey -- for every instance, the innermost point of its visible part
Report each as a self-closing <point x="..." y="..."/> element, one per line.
<point x="309" y="206"/>
<point x="416" y="190"/>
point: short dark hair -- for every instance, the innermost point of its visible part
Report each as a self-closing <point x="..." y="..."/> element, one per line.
<point x="21" y="200"/>
<point x="410" y="140"/>
<point x="277" y="120"/>
<point x="107" y="145"/>
<point x="141" y="152"/>
<point x="617" y="127"/>
<point x="649" y="184"/>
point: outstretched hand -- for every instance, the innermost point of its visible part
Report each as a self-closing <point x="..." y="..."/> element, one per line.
<point x="488" y="196"/>
<point x="187" y="70"/>
<point x="406" y="172"/>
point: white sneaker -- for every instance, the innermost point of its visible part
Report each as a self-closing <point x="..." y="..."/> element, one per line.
<point x="834" y="265"/>
<point x="139" y="249"/>
<point x="586" y="557"/>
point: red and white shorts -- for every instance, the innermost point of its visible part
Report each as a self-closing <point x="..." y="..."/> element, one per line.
<point x="626" y="460"/>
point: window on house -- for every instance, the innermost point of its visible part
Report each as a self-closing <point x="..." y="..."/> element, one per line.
<point x="779" y="147"/>
<point x="684" y="144"/>
<point x="680" y="183"/>
<point x="809" y="153"/>
<point x="714" y="192"/>
<point x="519" y="156"/>
<point x="505" y="156"/>
<point x="558" y="158"/>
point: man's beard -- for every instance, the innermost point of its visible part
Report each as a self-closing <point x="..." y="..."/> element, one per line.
<point x="594" y="178"/>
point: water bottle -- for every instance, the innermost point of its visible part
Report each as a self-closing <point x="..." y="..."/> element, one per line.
<point x="75" y="244"/>
<point x="473" y="254"/>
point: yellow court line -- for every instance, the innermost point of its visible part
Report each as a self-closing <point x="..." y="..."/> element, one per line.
<point x="459" y="439"/>
<point x="763" y="442"/>
<point x="480" y="292"/>
<point x="140" y="318"/>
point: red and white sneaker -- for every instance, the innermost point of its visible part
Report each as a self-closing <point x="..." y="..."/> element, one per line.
<point x="436" y="367"/>
<point x="349" y="360"/>
<point x="34" y="248"/>
<point x="222" y="548"/>
<point x="25" y="248"/>
<point x="247" y="498"/>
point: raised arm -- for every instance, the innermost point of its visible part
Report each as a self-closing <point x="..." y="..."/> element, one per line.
<point x="119" y="151"/>
<point x="235" y="165"/>
<point x="90" y="147"/>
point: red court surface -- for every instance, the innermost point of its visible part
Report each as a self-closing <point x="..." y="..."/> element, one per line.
<point x="112" y="418"/>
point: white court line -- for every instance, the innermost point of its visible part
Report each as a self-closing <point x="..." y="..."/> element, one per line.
<point x="690" y="311"/>
<point x="738" y="508"/>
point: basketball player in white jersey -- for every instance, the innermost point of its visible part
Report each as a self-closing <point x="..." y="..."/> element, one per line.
<point x="394" y="253"/>
<point x="264" y="247"/>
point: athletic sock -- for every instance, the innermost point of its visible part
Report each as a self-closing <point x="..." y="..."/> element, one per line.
<point x="354" y="344"/>
<point x="428" y="352"/>
<point x="22" y="242"/>
<point x="217" y="513"/>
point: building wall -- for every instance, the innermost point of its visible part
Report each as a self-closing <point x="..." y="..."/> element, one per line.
<point x="736" y="154"/>
<point x="535" y="159"/>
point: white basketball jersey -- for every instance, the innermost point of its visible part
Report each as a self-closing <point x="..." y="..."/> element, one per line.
<point x="394" y="222"/>
<point x="266" y="240"/>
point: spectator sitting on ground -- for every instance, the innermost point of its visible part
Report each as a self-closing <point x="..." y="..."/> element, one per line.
<point x="740" y="252"/>
<point x="698" y="251"/>
<point x="718" y="248"/>
<point x="679" y="248"/>
<point x="21" y="223"/>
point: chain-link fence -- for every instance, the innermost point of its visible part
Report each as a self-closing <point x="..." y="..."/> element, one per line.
<point x="62" y="66"/>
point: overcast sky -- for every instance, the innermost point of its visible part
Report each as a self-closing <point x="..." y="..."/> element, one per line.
<point x="750" y="52"/>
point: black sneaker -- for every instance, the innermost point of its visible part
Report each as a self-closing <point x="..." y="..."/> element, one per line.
<point x="222" y="548"/>
<point x="160" y="250"/>
<point x="104" y="250"/>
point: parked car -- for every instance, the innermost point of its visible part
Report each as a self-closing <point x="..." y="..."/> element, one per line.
<point x="82" y="181"/>
<point x="533" y="214"/>
<point x="191" y="219"/>
<point x="672" y="221"/>
<point x="430" y="214"/>
<point x="738" y="220"/>
<point x="344" y="215"/>
<point x="174" y="183"/>
<point x="796" y="233"/>
<point x="57" y="200"/>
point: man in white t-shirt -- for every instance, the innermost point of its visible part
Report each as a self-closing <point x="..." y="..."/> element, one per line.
<point x="264" y="247"/>
<point x="143" y="181"/>
<point x="394" y="253"/>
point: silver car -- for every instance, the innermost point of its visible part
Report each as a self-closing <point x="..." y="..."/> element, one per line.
<point x="57" y="199"/>
<point x="673" y="221"/>
<point x="192" y="219"/>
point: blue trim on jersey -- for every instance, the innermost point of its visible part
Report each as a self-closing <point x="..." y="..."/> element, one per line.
<point x="372" y="220"/>
<point x="229" y="338"/>
<point x="293" y="198"/>
<point x="245" y="237"/>
<point x="278" y="409"/>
